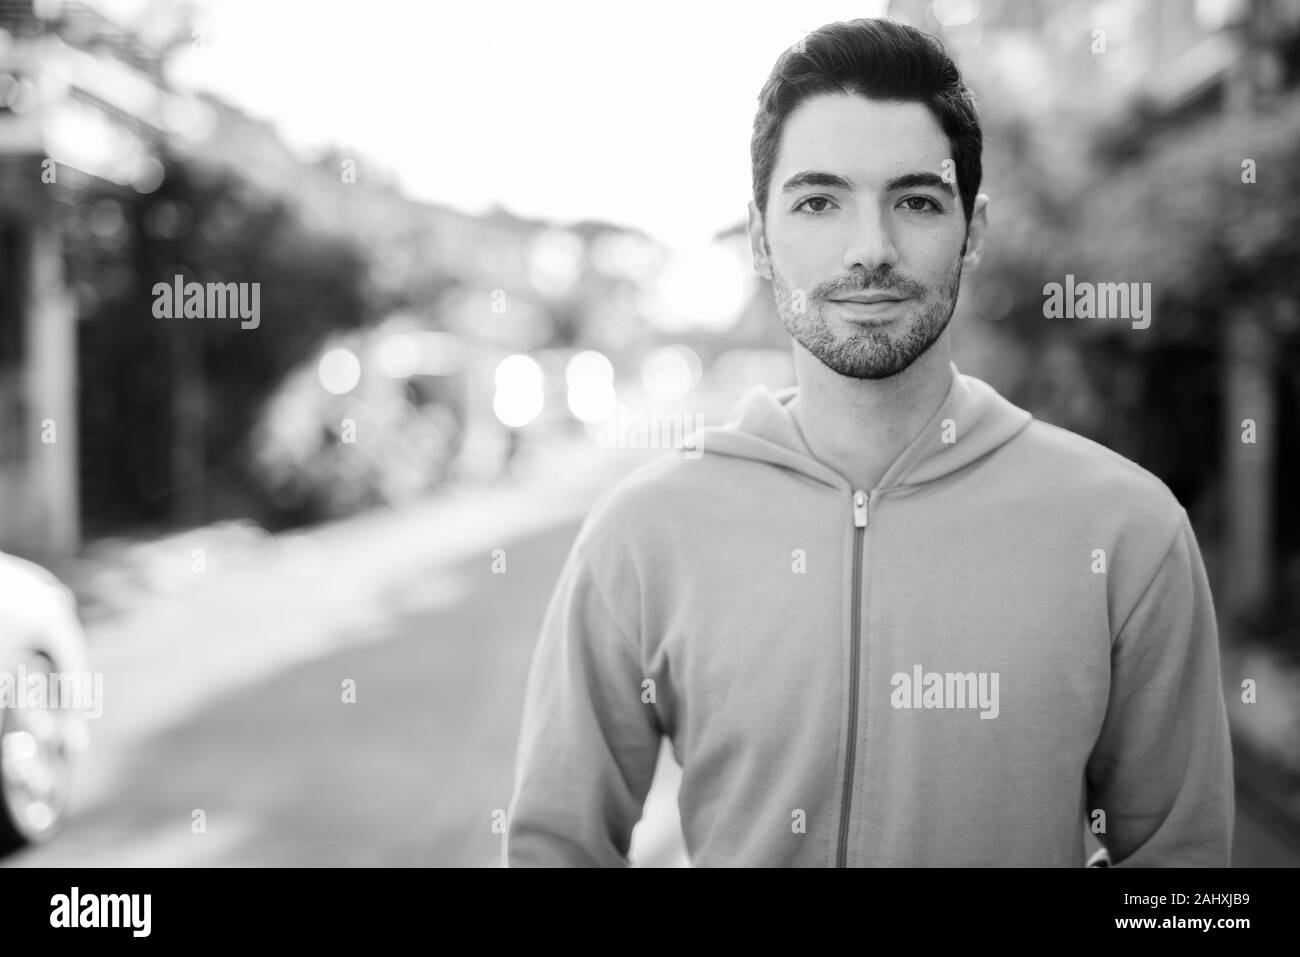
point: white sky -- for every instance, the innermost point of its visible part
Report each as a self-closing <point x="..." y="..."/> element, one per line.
<point x="638" y="114"/>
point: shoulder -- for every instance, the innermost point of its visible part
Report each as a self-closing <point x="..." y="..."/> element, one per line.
<point x="653" y="496"/>
<point x="1096" y="489"/>
<point x="1092" y="464"/>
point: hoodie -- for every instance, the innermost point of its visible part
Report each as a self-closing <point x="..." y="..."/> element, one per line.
<point x="1006" y="643"/>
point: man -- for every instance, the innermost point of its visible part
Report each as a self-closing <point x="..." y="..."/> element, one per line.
<point x="887" y="618"/>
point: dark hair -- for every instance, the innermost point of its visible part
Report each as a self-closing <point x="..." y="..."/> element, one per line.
<point x="881" y="60"/>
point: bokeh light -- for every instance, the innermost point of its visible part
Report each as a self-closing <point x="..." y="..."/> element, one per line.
<point x="399" y="355"/>
<point x="702" y="288"/>
<point x="339" y="371"/>
<point x="670" y="372"/>
<point x="520" y="391"/>
<point x="589" y="377"/>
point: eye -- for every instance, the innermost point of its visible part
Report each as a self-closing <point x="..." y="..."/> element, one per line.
<point x="799" y="207"/>
<point x="927" y="205"/>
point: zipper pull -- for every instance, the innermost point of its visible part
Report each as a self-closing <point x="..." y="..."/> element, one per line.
<point x="860" y="509"/>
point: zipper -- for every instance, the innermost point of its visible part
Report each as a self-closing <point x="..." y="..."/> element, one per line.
<point x="861" y="500"/>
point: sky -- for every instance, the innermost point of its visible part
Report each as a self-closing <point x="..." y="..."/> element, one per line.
<point x="635" y="114"/>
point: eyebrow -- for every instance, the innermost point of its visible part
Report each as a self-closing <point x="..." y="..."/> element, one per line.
<point x="812" y="177"/>
<point x="806" y="178"/>
<point x="920" y="180"/>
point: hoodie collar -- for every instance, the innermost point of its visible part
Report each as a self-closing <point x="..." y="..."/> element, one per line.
<point x="761" y="428"/>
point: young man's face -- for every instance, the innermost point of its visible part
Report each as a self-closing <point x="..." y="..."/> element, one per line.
<point x="858" y="209"/>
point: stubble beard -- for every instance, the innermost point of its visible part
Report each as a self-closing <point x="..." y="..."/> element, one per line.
<point x="862" y="351"/>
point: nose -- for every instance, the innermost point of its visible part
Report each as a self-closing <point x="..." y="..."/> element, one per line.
<point x="871" y="243"/>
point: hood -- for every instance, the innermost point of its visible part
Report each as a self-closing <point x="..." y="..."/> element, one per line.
<point x="760" y="427"/>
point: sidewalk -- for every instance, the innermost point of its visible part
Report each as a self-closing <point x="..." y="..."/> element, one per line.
<point x="117" y="576"/>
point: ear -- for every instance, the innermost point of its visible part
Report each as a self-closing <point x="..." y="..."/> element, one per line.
<point x="758" y="243"/>
<point x="976" y="232"/>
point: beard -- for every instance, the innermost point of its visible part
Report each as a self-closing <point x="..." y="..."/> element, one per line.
<point x="862" y="351"/>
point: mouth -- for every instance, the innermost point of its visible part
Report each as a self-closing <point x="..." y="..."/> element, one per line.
<point x="869" y="309"/>
<point x="869" y="298"/>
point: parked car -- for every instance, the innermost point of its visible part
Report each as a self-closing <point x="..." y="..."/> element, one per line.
<point x="41" y="736"/>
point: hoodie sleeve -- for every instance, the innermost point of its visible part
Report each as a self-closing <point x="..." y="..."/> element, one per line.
<point x="1161" y="769"/>
<point x="588" y="745"/>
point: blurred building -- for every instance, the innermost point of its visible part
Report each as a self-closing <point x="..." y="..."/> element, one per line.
<point x="518" y="281"/>
<point x="108" y="416"/>
<point x="501" y="282"/>
<point x="82" y="111"/>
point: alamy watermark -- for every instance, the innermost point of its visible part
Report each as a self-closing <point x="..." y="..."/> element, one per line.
<point x="626" y="429"/>
<point x="1098" y="300"/>
<point x="128" y="911"/>
<point x="932" y="689"/>
<point x="72" y="691"/>
<point x="179" y="299"/>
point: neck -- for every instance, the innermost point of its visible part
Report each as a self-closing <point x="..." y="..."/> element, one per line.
<point x="859" y="427"/>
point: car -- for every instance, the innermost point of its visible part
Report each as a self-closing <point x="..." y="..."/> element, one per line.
<point x="43" y="674"/>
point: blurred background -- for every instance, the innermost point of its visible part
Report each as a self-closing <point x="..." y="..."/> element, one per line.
<point x="311" y="556"/>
